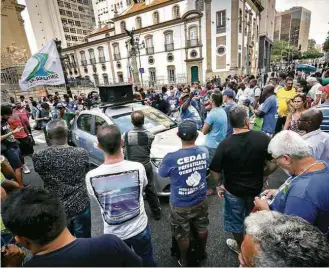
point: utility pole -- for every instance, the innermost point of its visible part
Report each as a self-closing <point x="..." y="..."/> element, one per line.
<point x="248" y="43"/>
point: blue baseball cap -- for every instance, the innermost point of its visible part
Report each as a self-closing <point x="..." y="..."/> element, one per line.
<point x="228" y="92"/>
<point x="187" y="130"/>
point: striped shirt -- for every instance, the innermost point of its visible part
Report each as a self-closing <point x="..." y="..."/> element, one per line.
<point x="324" y="108"/>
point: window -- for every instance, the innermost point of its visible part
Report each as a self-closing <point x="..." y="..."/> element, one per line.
<point x="67" y="5"/>
<point x="62" y="11"/>
<point x="74" y="7"/>
<point x="175" y="12"/>
<point x="101" y="55"/>
<point x="128" y="2"/>
<point x="81" y="38"/>
<point x="221" y="21"/>
<point x="149" y="45"/>
<point x="92" y="56"/>
<point x="64" y="21"/>
<point x="73" y="58"/>
<point x="71" y="22"/>
<point x="84" y="123"/>
<point x="78" y="23"/>
<point x="138" y="22"/>
<point x="239" y="60"/>
<point x="99" y="121"/>
<point x="69" y="13"/>
<point x="60" y="3"/>
<point x="76" y="15"/>
<point x="120" y="77"/>
<point x="152" y="74"/>
<point x="79" y="31"/>
<point x="72" y="30"/>
<point x="68" y="37"/>
<point x="169" y="44"/>
<point x="105" y="79"/>
<point x="240" y="21"/>
<point x="96" y="79"/>
<point x="199" y="5"/>
<point x="83" y="55"/>
<point x="221" y="50"/>
<point x="122" y="26"/>
<point x="85" y="32"/>
<point x="66" y="29"/>
<point x="171" y="74"/>
<point x="74" y="38"/>
<point x="156" y="17"/>
<point x="81" y="9"/>
<point x="193" y="35"/>
<point x="116" y="51"/>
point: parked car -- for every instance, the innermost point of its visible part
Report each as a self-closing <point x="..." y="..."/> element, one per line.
<point x="85" y="125"/>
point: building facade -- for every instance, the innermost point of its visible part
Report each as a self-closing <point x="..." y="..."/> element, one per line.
<point x="293" y="25"/>
<point x="180" y="41"/>
<point x="266" y="35"/>
<point x="68" y="20"/>
<point x="14" y="45"/>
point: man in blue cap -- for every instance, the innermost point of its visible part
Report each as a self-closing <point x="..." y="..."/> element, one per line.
<point x="187" y="170"/>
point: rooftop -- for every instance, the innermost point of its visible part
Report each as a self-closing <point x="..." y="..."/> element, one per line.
<point x="140" y="6"/>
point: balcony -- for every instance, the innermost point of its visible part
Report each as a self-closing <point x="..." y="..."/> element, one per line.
<point x="192" y="42"/>
<point x="169" y="47"/>
<point x="92" y="61"/>
<point x="83" y="62"/>
<point x="117" y="56"/>
<point x="150" y="50"/>
<point x="101" y="59"/>
<point x="221" y="29"/>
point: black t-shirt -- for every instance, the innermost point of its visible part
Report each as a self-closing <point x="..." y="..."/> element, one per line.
<point x="106" y="250"/>
<point x="241" y="159"/>
<point x="9" y="141"/>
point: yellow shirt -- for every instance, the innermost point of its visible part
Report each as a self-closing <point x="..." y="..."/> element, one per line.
<point x="283" y="96"/>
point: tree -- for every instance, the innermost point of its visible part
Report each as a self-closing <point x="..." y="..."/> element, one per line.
<point x="311" y="44"/>
<point x="311" y="54"/>
<point x="283" y="50"/>
<point x="326" y="44"/>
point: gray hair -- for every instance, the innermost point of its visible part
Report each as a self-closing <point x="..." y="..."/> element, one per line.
<point x="288" y="142"/>
<point x="238" y="116"/>
<point x="286" y="241"/>
<point x="57" y="129"/>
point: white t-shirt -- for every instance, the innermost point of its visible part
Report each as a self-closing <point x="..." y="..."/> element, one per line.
<point x="251" y="93"/>
<point x="118" y="190"/>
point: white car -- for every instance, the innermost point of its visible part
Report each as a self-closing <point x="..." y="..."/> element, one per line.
<point x="84" y="131"/>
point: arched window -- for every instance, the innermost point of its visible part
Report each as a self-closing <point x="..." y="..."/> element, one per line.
<point x="199" y="5"/>
<point x="72" y="59"/>
<point x="122" y="26"/>
<point x="149" y="45"/>
<point x="105" y="79"/>
<point x="156" y="17"/>
<point x="83" y="55"/>
<point x="138" y="22"/>
<point x="116" y="51"/>
<point x="96" y="79"/>
<point x="240" y="20"/>
<point x="175" y="12"/>
<point x="120" y="77"/>
<point x="101" y="55"/>
<point x="169" y="41"/>
<point x="92" y="56"/>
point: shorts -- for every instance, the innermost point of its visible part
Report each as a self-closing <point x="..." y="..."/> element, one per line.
<point x="14" y="157"/>
<point x="236" y="209"/>
<point x="183" y="217"/>
<point x="26" y="146"/>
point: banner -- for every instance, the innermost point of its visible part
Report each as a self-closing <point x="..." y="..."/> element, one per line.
<point x="43" y="68"/>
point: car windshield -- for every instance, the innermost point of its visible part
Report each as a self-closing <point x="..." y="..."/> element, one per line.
<point x="155" y="121"/>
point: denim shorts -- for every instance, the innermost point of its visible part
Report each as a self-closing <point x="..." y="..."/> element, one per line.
<point x="235" y="211"/>
<point x="14" y="156"/>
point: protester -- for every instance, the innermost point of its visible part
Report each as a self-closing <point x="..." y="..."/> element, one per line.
<point x="268" y="110"/>
<point x="282" y="79"/>
<point x="65" y="114"/>
<point x="275" y="83"/>
<point x="24" y="138"/>
<point x="160" y="104"/>
<point x="138" y="144"/>
<point x="284" y="95"/>
<point x="324" y="108"/>
<point x="300" y="104"/>
<point x="164" y="93"/>
<point x="215" y="126"/>
<point x="240" y="159"/>
<point x="314" y="92"/>
<point x="276" y="240"/>
<point x="240" y="94"/>
<point x="187" y="169"/>
<point x="24" y="115"/>
<point x="228" y="99"/>
<point x="172" y="101"/>
<point x="9" y="145"/>
<point x="305" y="193"/>
<point x="43" y="117"/>
<point x="22" y="100"/>
<point x="63" y="169"/>
<point x="69" y="104"/>
<point x="310" y="122"/>
<point x="253" y="92"/>
<point x="120" y="183"/>
<point x="188" y="111"/>
<point x="37" y="219"/>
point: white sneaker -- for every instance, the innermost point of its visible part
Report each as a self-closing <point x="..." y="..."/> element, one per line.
<point x="233" y="245"/>
<point x="26" y="169"/>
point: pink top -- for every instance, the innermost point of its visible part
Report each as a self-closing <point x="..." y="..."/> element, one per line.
<point x="24" y="115"/>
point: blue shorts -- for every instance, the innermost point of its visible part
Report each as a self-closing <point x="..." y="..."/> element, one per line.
<point x="235" y="211"/>
<point x="14" y="157"/>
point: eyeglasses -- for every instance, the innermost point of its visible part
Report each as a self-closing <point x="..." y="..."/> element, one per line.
<point x="289" y="84"/>
<point x="274" y="160"/>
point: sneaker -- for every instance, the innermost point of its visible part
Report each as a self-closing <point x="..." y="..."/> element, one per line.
<point x="233" y="245"/>
<point x="26" y="169"/>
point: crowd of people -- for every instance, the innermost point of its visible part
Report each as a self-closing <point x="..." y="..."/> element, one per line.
<point x="250" y="130"/>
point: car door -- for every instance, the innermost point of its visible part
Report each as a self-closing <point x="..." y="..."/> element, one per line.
<point x="83" y="134"/>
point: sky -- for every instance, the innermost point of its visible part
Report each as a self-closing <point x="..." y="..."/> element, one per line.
<point x="318" y="30"/>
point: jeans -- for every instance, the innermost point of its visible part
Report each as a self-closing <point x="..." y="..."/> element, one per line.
<point x="150" y="192"/>
<point x="142" y="246"/>
<point x="210" y="183"/>
<point x="80" y="225"/>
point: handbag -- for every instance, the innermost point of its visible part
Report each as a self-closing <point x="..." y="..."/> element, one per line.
<point x="258" y="123"/>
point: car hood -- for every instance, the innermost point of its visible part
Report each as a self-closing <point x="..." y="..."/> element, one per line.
<point x="168" y="141"/>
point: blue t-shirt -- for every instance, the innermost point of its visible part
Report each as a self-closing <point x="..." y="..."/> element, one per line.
<point x="187" y="169"/>
<point x="191" y="113"/>
<point x="217" y="119"/>
<point x="227" y="109"/>
<point x="173" y="102"/>
<point x="307" y="196"/>
<point x="269" y="108"/>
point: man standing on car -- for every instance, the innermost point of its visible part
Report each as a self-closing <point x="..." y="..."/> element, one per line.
<point x="187" y="170"/>
<point x="138" y="144"/>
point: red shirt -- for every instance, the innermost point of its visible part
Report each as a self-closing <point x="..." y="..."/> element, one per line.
<point x="14" y="122"/>
<point x="23" y="114"/>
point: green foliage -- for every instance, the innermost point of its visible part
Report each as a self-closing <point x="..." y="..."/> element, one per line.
<point x="311" y="44"/>
<point x="311" y="54"/>
<point x="326" y="44"/>
<point x="284" y="50"/>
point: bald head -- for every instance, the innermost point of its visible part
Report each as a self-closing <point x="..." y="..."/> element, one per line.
<point x="57" y="130"/>
<point x="137" y="118"/>
<point x="310" y="120"/>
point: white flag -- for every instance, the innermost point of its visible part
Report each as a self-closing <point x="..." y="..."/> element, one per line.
<point x="43" y="68"/>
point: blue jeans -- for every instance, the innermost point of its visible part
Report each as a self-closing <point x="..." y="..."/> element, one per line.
<point x="80" y="225"/>
<point x="142" y="246"/>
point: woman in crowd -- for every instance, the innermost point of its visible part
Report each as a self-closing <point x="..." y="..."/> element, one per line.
<point x="300" y="105"/>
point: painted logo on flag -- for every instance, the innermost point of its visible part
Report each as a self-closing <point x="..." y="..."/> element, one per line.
<point x="39" y="69"/>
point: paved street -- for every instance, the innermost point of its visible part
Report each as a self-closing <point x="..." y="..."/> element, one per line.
<point x="218" y="253"/>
